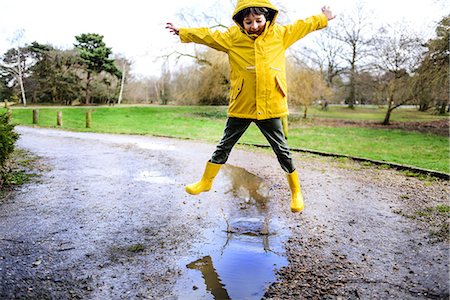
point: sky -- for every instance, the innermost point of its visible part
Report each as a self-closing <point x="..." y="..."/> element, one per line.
<point x="135" y="28"/>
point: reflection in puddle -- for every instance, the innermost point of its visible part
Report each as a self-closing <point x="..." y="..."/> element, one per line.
<point x="209" y="274"/>
<point x="153" y="177"/>
<point x="240" y="261"/>
<point x="245" y="186"/>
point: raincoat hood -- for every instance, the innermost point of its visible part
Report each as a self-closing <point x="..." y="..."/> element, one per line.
<point x="243" y="4"/>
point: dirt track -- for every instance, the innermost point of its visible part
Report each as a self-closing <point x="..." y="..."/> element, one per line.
<point x="109" y="219"/>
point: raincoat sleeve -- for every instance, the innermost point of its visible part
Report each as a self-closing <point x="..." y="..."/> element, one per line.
<point x="215" y="39"/>
<point x="300" y="28"/>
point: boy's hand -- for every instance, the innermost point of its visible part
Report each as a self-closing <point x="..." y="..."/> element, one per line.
<point x="328" y="13"/>
<point x="172" y="28"/>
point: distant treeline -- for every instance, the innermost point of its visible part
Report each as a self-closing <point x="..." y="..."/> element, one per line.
<point x="392" y="67"/>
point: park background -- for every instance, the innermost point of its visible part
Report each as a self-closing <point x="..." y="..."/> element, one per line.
<point x="111" y="209"/>
<point x="374" y="84"/>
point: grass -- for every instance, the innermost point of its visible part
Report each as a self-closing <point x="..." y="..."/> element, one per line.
<point x="207" y="123"/>
<point x="371" y="113"/>
<point x="19" y="170"/>
<point x="136" y="248"/>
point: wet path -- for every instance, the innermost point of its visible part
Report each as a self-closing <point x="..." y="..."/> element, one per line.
<point x="110" y="219"/>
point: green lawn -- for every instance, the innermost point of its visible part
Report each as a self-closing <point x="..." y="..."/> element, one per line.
<point x="206" y="123"/>
<point x="371" y="113"/>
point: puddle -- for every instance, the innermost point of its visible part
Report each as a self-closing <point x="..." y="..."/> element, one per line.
<point x="153" y="177"/>
<point x="240" y="259"/>
<point x="154" y="146"/>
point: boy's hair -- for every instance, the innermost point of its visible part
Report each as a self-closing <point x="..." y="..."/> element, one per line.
<point x="239" y="18"/>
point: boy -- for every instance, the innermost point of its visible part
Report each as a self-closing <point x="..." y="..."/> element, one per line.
<point x="256" y="51"/>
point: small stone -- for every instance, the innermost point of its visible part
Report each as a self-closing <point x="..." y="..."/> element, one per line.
<point x="37" y="263"/>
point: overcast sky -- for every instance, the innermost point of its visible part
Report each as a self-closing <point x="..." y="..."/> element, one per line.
<point x="135" y="28"/>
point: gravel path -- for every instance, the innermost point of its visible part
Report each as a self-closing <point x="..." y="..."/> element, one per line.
<point x="109" y="219"/>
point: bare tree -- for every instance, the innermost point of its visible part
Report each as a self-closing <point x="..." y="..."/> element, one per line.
<point x="323" y="55"/>
<point x="305" y="85"/>
<point x="399" y="53"/>
<point x="125" y="66"/>
<point x="206" y="83"/>
<point x="164" y="84"/>
<point x="16" y="66"/>
<point x="208" y="79"/>
<point x="355" y="31"/>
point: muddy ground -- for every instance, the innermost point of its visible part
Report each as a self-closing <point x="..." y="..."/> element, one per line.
<point x="108" y="218"/>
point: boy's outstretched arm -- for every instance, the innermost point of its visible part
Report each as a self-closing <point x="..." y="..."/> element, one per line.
<point x="300" y="28"/>
<point x="172" y="28"/>
<point x="214" y="39"/>
<point x="328" y="13"/>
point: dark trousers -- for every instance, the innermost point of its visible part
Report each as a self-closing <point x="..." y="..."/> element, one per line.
<point x="272" y="129"/>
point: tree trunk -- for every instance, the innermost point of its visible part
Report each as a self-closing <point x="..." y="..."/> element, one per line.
<point x="443" y="108"/>
<point x="351" y="97"/>
<point x="88" y="92"/>
<point x="352" y="94"/>
<point x="387" y="117"/>
<point x="305" y="112"/>
<point x="121" y="85"/>
<point x="22" y="89"/>
<point x="423" y="106"/>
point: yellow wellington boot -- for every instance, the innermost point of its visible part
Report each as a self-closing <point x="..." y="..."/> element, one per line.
<point x="297" y="204"/>
<point x="205" y="183"/>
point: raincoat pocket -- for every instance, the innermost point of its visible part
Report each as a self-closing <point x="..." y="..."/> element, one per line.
<point x="238" y="88"/>
<point x="281" y="84"/>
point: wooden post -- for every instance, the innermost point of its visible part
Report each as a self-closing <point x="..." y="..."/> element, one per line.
<point x="6" y="103"/>
<point x="35" y="116"/>
<point x="9" y="113"/>
<point x="59" y="121"/>
<point x="88" y="119"/>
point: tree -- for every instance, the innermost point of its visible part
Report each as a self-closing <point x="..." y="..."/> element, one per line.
<point x="305" y="85"/>
<point x="205" y="83"/>
<point x="164" y="84"/>
<point x="95" y="58"/>
<point x="214" y="79"/>
<point x="53" y="74"/>
<point x="353" y="31"/>
<point x="20" y="67"/>
<point x="398" y="53"/>
<point x="433" y="73"/>
<point x="14" y="62"/>
<point x="325" y="56"/>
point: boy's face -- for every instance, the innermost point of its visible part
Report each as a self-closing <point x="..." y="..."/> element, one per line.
<point x="254" y="24"/>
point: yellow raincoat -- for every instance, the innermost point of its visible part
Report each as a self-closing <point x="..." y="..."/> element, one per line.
<point x="258" y="65"/>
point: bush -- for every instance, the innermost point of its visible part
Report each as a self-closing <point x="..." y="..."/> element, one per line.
<point x="7" y="140"/>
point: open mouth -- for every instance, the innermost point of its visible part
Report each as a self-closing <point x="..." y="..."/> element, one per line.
<point x="258" y="32"/>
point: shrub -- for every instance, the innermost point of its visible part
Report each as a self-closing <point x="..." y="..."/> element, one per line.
<point x="7" y="140"/>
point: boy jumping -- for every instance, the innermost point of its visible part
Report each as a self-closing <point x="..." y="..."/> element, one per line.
<point x="256" y="51"/>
